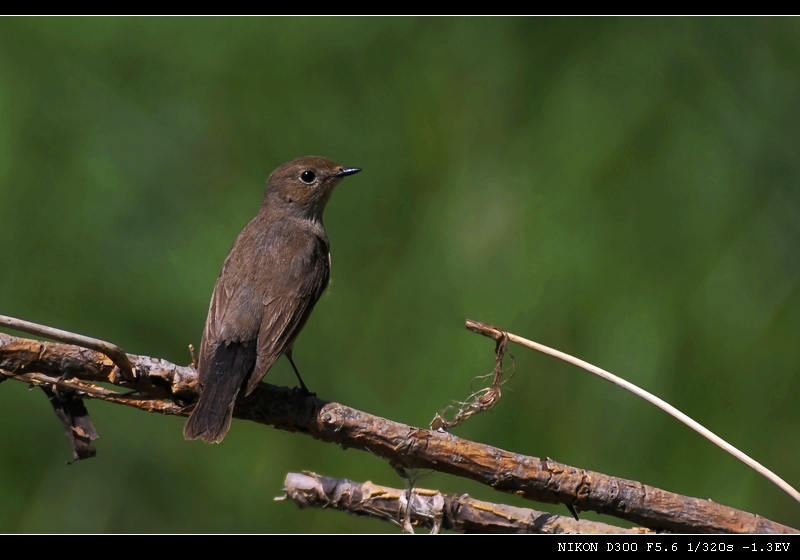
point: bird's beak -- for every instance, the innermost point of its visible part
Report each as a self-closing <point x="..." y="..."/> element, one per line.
<point x="345" y="171"/>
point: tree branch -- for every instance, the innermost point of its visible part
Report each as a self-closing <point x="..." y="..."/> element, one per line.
<point x="431" y="509"/>
<point x="170" y="389"/>
<point x="113" y="351"/>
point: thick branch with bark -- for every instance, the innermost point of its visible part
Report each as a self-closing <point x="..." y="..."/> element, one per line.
<point x="161" y="386"/>
<point x="433" y="510"/>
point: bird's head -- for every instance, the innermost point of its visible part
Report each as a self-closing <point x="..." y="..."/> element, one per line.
<point x="305" y="184"/>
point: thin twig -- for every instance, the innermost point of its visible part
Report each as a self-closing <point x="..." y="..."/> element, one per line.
<point x="542" y="480"/>
<point x="134" y="399"/>
<point x="194" y="355"/>
<point x="495" y="333"/>
<point x="113" y="351"/>
<point x="431" y="509"/>
<point x="67" y="386"/>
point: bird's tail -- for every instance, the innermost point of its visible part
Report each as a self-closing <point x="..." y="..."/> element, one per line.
<point x="227" y="369"/>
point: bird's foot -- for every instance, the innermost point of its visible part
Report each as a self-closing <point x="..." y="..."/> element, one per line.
<point x="304" y="391"/>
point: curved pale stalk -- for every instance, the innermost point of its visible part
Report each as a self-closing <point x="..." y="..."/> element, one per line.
<point x="494" y="333"/>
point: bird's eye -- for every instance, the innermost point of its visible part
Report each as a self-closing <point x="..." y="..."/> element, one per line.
<point x="307" y="177"/>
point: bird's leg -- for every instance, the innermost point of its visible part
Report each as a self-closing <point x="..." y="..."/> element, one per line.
<point x="303" y="387"/>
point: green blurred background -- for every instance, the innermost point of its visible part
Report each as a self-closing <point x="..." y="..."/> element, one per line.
<point x="625" y="190"/>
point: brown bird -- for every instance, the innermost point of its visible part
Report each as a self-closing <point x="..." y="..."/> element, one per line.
<point x="277" y="270"/>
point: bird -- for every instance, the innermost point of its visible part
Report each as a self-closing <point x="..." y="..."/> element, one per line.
<point x="275" y="273"/>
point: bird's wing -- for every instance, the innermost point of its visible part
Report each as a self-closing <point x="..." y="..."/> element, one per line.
<point x="286" y="312"/>
<point x="233" y="318"/>
<point x="227" y="355"/>
<point x="283" y="318"/>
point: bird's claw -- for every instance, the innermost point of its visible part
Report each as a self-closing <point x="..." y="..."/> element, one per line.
<point x="304" y="391"/>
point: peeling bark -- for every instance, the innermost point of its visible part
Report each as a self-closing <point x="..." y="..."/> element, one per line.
<point x="432" y="510"/>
